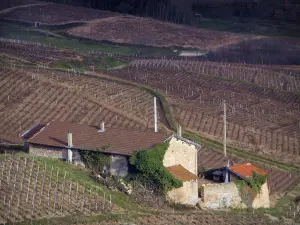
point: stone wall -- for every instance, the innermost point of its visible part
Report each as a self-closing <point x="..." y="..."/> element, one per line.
<point x="77" y="158"/>
<point x="180" y="152"/>
<point x="186" y="195"/>
<point x="119" y="165"/>
<point x="262" y="200"/>
<point x="45" y="151"/>
<point x="222" y="195"/>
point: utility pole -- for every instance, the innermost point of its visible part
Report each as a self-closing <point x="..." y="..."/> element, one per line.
<point x="155" y="115"/>
<point x="225" y="128"/>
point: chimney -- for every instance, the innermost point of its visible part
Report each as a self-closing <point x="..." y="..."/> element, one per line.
<point x="179" y="130"/>
<point x="155" y="115"/>
<point x="102" y="126"/>
<point x="70" y="141"/>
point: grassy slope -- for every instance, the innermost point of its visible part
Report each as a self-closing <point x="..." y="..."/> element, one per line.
<point x="82" y="176"/>
<point x="103" y="62"/>
<point x="26" y="33"/>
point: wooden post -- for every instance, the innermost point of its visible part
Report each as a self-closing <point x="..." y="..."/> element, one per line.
<point x="155" y="115"/>
<point x="225" y="128"/>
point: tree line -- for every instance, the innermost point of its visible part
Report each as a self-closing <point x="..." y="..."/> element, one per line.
<point x="159" y="9"/>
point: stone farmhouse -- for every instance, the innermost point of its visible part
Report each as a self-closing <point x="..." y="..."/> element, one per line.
<point x="181" y="161"/>
<point x="65" y="140"/>
<point x="223" y="191"/>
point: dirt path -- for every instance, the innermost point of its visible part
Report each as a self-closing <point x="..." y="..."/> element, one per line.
<point x="21" y="6"/>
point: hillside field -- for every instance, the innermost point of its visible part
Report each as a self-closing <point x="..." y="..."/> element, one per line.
<point x="82" y="65"/>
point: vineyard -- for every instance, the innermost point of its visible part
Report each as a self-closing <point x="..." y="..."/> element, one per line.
<point x="204" y="218"/>
<point x="152" y="32"/>
<point x="29" y="97"/>
<point x="35" y="52"/>
<point x="264" y="77"/>
<point x="32" y="189"/>
<point x="54" y="14"/>
<point x="260" y="119"/>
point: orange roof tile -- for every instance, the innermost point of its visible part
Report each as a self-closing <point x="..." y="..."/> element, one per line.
<point x="85" y="137"/>
<point x="246" y="170"/>
<point x="181" y="173"/>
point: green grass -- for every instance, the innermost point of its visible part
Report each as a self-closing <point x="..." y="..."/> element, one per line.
<point x="100" y="63"/>
<point x="22" y="32"/>
<point x="83" y="177"/>
<point x="285" y="207"/>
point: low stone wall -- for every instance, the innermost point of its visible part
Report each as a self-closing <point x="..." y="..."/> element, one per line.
<point x="45" y="151"/>
<point x="222" y="195"/>
<point x="186" y="195"/>
<point x="57" y="153"/>
<point x="262" y="199"/>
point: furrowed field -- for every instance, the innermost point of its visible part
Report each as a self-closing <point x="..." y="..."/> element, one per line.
<point x="29" y="97"/>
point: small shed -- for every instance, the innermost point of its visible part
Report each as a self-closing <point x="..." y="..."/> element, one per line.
<point x="188" y="193"/>
<point x="222" y="190"/>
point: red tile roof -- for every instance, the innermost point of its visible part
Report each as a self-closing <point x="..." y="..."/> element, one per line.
<point x="123" y="142"/>
<point x="181" y="173"/>
<point x="246" y="170"/>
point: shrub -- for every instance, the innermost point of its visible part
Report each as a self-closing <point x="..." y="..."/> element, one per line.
<point x="255" y="182"/>
<point x="95" y="160"/>
<point x="150" y="164"/>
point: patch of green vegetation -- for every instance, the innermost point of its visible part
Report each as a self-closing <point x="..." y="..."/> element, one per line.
<point x="22" y="32"/>
<point x="100" y="63"/>
<point x="95" y="160"/>
<point x="167" y="111"/>
<point x="150" y="164"/>
<point x="71" y="64"/>
<point x="255" y="182"/>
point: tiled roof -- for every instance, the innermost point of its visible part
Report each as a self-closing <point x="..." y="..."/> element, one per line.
<point x="246" y="170"/>
<point x="181" y="173"/>
<point x="32" y="131"/>
<point x="118" y="141"/>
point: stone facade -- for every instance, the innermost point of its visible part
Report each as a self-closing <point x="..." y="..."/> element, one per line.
<point x="222" y="195"/>
<point x="56" y="153"/>
<point x="180" y="152"/>
<point x="262" y="199"/>
<point x="186" y="195"/>
<point x="119" y="165"/>
<point x="185" y="154"/>
<point x="51" y="152"/>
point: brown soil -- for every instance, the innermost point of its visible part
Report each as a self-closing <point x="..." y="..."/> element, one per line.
<point x="146" y="31"/>
<point x="31" y="96"/>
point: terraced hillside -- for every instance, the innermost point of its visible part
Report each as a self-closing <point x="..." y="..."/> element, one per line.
<point x="29" y="97"/>
<point x="263" y="105"/>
